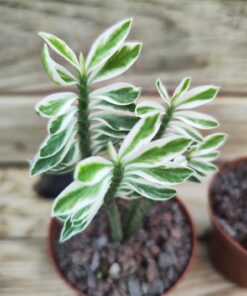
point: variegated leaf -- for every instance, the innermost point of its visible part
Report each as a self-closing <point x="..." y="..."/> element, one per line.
<point x="115" y="121"/>
<point x="181" y="88"/>
<point x="159" y="152"/>
<point x="57" y="124"/>
<point x="61" y="48"/>
<point x="78" y="195"/>
<point x="196" y="119"/>
<point x="106" y="130"/>
<point x="196" y="97"/>
<point x="203" y="168"/>
<point x="162" y="91"/>
<point x="41" y="165"/>
<point x="106" y="106"/>
<point x="118" y="94"/>
<point x="56" y="104"/>
<point x="112" y="151"/>
<point x="163" y="175"/>
<point x="152" y="191"/>
<point x="56" y="72"/>
<point x="120" y="62"/>
<point x="93" y="169"/>
<point x="209" y="144"/>
<point x="54" y="143"/>
<point x="140" y="135"/>
<point x="107" y="44"/>
<point x="147" y="108"/>
<point x="186" y="130"/>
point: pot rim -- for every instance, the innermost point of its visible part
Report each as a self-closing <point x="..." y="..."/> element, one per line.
<point x="181" y="277"/>
<point x="213" y="216"/>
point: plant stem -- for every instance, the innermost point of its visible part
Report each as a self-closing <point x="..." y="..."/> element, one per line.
<point x="138" y="211"/>
<point x="111" y="206"/>
<point x="83" y="119"/>
<point x="141" y="209"/>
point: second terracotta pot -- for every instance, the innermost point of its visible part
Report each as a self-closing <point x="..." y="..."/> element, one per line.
<point x="228" y="256"/>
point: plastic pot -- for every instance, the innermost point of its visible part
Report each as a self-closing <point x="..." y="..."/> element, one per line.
<point x="228" y="256"/>
<point x="53" y="237"/>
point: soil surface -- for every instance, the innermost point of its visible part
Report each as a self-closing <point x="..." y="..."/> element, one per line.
<point x="229" y="200"/>
<point x="148" y="264"/>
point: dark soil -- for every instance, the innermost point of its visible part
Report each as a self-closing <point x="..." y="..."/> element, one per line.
<point x="229" y="200"/>
<point x="149" y="264"/>
<point x="49" y="186"/>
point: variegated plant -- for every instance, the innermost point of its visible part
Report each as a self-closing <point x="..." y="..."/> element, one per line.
<point x="160" y="145"/>
<point x="140" y="168"/>
<point x="81" y="123"/>
<point x="177" y="119"/>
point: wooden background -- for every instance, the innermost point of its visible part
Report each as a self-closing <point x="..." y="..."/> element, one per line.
<point x="203" y="39"/>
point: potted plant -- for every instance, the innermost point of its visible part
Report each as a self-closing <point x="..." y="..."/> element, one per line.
<point x="227" y="200"/>
<point x="150" y="148"/>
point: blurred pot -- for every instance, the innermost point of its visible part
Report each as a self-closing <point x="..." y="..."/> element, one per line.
<point x="49" y="186"/>
<point x="228" y="256"/>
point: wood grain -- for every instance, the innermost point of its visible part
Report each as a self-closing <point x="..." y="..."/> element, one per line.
<point x="25" y="271"/>
<point x="24" y="214"/>
<point x="205" y="39"/>
<point x="22" y="131"/>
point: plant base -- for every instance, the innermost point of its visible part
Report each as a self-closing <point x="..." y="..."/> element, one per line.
<point x="152" y="262"/>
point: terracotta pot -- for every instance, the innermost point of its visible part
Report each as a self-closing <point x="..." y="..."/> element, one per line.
<point x="53" y="236"/>
<point x="228" y="256"/>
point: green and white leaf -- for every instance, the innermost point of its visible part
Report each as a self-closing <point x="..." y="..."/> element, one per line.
<point x="196" y="119"/>
<point x="181" y="89"/>
<point x="209" y="144"/>
<point x="140" y="135"/>
<point x="92" y="170"/>
<point x="42" y="165"/>
<point x="159" y="152"/>
<point x="196" y="97"/>
<point x="148" y="108"/>
<point x="106" y="106"/>
<point x="107" y="44"/>
<point x="112" y="151"/>
<point x="203" y="168"/>
<point x="106" y="130"/>
<point x="54" y="143"/>
<point x="57" y="124"/>
<point x="55" y="71"/>
<point x="162" y="92"/>
<point x="56" y="104"/>
<point x="119" y="62"/>
<point x="118" y="93"/>
<point x="116" y="122"/>
<point x="163" y="175"/>
<point x="61" y="48"/>
<point x="78" y="195"/>
<point x="185" y="130"/>
<point x="152" y="191"/>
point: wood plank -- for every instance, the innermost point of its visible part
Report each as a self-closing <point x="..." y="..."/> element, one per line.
<point x="205" y="39"/>
<point x="24" y="214"/>
<point x="22" y="131"/>
<point x="25" y="270"/>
